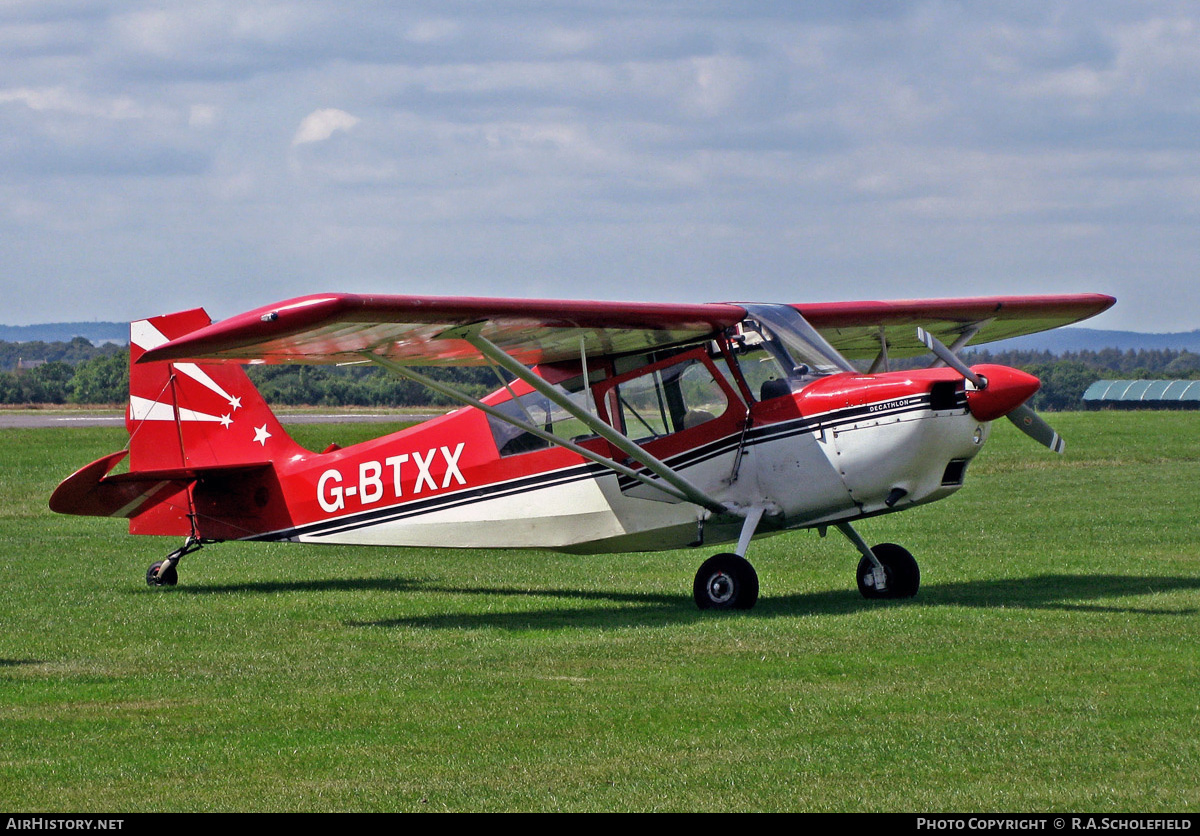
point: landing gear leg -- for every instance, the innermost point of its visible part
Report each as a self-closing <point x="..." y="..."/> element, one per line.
<point x="885" y="571"/>
<point x="163" y="573"/>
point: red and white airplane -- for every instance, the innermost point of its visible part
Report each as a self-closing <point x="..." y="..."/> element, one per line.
<point x="616" y="426"/>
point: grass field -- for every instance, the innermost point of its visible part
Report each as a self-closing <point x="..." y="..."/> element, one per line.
<point x="1050" y="662"/>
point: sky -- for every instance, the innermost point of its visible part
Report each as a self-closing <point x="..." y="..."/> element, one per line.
<point x="156" y="156"/>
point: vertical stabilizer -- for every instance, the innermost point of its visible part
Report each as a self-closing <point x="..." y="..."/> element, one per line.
<point x="190" y="415"/>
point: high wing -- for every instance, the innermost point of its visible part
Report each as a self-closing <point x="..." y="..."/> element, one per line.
<point x="857" y="328"/>
<point x="415" y="330"/>
<point x="418" y="330"/>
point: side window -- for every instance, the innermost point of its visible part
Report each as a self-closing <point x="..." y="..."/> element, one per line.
<point x="669" y="399"/>
<point x="703" y="397"/>
<point x="538" y="410"/>
<point x="763" y="373"/>
<point x="660" y="400"/>
<point x="642" y="407"/>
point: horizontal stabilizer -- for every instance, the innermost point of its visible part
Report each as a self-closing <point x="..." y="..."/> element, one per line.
<point x="91" y="492"/>
<point x="88" y="493"/>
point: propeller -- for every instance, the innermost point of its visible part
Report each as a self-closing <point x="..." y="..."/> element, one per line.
<point x="1000" y="392"/>
<point x="1030" y="423"/>
<point x="950" y="358"/>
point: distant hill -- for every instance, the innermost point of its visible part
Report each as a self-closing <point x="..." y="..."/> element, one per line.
<point x="95" y="332"/>
<point x="1063" y="340"/>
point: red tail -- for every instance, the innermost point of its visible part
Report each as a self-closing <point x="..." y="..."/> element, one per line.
<point x="187" y="415"/>
<point x="201" y="448"/>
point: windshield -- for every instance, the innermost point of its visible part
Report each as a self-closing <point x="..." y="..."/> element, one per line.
<point x="779" y="352"/>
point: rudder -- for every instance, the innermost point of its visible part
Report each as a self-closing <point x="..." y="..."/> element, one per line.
<point x="189" y="415"/>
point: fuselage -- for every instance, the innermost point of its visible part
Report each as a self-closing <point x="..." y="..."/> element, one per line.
<point x="838" y="447"/>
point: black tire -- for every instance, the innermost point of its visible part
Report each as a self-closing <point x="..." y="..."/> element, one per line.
<point x="168" y="578"/>
<point x="726" y="582"/>
<point x="901" y="570"/>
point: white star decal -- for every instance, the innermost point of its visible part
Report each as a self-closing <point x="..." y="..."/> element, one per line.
<point x="226" y="421"/>
<point x="261" y="435"/>
<point x="235" y="403"/>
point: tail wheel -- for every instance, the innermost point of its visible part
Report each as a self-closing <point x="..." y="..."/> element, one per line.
<point x="164" y="573"/>
<point x="169" y="576"/>
<point x="903" y="575"/>
<point x="725" y="582"/>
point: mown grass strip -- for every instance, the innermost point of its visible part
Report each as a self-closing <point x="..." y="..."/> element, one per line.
<point x="1049" y="663"/>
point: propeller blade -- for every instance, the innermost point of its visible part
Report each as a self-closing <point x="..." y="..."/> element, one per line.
<point x="949" y="358"/>
<point x="1023" y="417"/>
<point x="1030" y="423"/>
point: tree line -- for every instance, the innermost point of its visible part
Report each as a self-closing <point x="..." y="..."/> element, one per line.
<point x="80" y="373"/>
<point x="77" y="372"/>
<point x="63" y="372"/>
<point x="1065" y="377"/>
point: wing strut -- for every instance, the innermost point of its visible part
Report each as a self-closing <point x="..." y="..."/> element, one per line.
<point x="881" y="360"/>
<point x="464" y="398"/>
<point x="682" y="486"/>
<point x="965" y="336"/>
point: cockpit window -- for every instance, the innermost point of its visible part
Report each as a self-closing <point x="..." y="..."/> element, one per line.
<point x="656" y="398"/>
<point x="537" y="410"/>
<point x="651" y="396"/>
<point x="779" y="352"/>
<point x="669" y="399"/>
<point x="761" y="368"/>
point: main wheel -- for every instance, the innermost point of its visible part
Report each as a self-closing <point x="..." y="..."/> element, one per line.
<point x="725" y="582"/>
<point x="167" y="578"/>
<point x="900" y="569"/>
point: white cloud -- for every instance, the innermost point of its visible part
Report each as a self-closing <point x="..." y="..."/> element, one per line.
<point x="800" y="151"/>
<point x="432" y="31"/>
<point x="319" y="125"/>
<point x="62" y="100"/>
<point x="202" y="115"/>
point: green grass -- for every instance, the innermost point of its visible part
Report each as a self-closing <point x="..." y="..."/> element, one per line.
<point x="1049" y="663"/>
